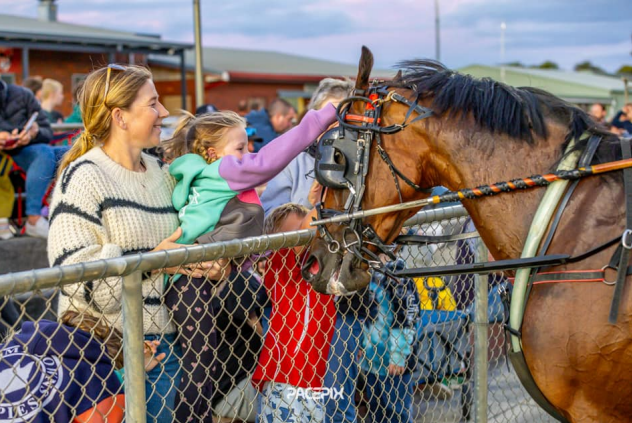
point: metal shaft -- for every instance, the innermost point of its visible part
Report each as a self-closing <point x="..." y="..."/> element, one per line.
<point x="199" y="77"/>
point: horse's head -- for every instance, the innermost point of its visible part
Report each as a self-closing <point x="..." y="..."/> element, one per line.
<point x="363" y="164"/>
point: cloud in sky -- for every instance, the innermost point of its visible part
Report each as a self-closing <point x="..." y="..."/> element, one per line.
<point x="565" y="31"/>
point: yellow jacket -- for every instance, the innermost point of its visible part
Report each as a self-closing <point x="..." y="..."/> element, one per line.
<point x="445" y="300"/>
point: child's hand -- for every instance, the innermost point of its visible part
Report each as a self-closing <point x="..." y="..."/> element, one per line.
<point x="395" y="370"/>
<point x="152" y="360"/>
<point x="315" y="193"/>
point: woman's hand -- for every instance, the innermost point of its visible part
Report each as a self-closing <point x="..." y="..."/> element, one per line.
<point x="214" y="270"/>
<point x="395" y="370"/>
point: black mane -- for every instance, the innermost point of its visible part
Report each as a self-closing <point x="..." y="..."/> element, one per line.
<point x="496" y="107"/>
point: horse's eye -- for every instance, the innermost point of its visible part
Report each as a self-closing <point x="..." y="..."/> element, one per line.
<point x="339" y="158"/>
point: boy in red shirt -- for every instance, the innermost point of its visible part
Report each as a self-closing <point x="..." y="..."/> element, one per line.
<point x="293" y="361"/>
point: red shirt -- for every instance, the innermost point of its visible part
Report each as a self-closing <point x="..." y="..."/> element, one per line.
<point x="297" y="343"/>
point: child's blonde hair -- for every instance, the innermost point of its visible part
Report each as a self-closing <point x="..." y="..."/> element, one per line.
<point x="274" y="220"/>
<point x="198" y="134"/>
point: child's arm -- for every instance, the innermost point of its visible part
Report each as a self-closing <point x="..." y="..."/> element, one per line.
<point x="255" y="169"/>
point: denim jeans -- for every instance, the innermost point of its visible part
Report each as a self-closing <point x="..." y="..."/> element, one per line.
<point x="162" y="380"/>
<point x="390" y="398"/>
<point x="39" y="161"/>
<point x="342" y="369"/>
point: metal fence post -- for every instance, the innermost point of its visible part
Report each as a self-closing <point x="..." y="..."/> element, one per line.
<point x="481" y="339"/>
<point x="133" y="345"/>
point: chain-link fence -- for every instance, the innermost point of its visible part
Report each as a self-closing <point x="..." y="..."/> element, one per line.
<point x="243" y="336"/>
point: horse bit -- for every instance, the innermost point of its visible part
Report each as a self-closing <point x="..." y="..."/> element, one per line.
<point x="342" y="162"/>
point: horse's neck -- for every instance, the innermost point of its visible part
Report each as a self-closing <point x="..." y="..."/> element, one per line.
<point x="503" y="221"/>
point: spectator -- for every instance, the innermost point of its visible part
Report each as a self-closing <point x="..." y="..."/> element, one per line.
<point x="293" y="184"/>
<point x="623" y="120"/>
<point x="277" y="119"/>
<point x="52" y="97"/>
<point x="29" y="149"/>
<point x="237" y="309"/>
<point x="389" y="336"/>
<point x="598" y="113"/>
<point x="204" y="109"/>
<point x="296" y="345"/>
<point x="34" y="83"/>
<point x="75" y="116"/>
<point x="7" y="196"/>
<point x="216" y="199"/>
<point x="113" y="200"/>
<point x="86" y="387"/>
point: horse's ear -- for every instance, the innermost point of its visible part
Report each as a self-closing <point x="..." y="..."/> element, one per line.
<point x="398" y="77"/>
<point x="364" y="69"/>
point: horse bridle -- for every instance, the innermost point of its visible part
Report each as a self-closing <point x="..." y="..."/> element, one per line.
<point x="338" y="167"/>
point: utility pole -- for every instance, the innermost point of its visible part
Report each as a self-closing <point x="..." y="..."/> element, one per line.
<point x="199" y="77"/>
<point x="437" y="33"/>
<point x="503" y="27"/>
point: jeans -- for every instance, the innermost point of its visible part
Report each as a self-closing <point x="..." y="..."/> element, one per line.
<point x="342" y="369"/>
<point x="162" y="380"/>
<point x="390" y="398"/>
<point x="39" y="161"/>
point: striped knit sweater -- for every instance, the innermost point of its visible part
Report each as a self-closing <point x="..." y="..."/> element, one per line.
<point x="101" y="210"/>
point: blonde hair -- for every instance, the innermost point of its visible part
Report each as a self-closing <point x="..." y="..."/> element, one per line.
<point x="111" y="338"/>
<point x="198" y="134"/>
<point x="50" y="87"/>
<point x="273" y="221"/>
<point x="96" y="111"/>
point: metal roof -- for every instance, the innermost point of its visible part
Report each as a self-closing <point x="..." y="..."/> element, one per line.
<point x="19" y="31"/>
<point x="257" y="62"/>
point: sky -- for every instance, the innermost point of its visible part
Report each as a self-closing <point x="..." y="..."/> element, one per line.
<point x="564" y="31"/>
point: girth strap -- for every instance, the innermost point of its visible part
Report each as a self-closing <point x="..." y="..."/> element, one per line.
<point x="621" y="257"/>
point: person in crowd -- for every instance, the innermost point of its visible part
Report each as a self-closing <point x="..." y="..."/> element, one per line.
<point x="204" y="109"/>
<point x="622" y="121"/>
<point x="293" y="361"/>
<point x="237" y="309"/>
<point x="86" y="387"/>
<point x="293" y="184"/>
<point x="216" y="200"/>
<point x="390" y="333"/>
<point x="75" y="115"/>
<point x="598" y="113"/>
<point x="278" y="118"/>
<point x="34" y="83"/>
<point x="52" y="97"/>
<point x="111" y="199"/>
<point x="29" y="149"/>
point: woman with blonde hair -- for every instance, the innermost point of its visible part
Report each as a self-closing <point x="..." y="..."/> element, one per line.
<point x="52" y="97"/>
<point x="112" y="199"/>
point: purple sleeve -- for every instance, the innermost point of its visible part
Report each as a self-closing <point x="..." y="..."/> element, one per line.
<point x="256" y="169"/>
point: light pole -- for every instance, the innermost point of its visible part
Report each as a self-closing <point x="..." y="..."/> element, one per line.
<point x="503" y="27"/>
<point x="199" y="77"/>
<point x="437" y="33"/>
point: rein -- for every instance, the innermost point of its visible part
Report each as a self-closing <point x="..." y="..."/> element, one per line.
<point x="485" y="190"/>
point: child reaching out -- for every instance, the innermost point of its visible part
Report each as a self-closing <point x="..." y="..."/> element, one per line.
<point x="216" y="200"/>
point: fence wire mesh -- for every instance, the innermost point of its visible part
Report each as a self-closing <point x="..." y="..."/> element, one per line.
<point x="247" y="338"/>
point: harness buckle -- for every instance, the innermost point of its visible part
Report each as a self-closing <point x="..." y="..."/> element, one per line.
<point x="626" y="239"/>
<point x="333" y="246"/>
<point x="603" y="269"/>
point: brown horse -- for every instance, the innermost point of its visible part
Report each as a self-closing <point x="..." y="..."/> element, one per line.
<point x="482" y="131"/>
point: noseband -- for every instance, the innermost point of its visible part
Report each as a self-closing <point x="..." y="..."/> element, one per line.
<point x="342" y="162"/>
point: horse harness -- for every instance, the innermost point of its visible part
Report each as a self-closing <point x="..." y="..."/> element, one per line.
<point x="342" y="162"/>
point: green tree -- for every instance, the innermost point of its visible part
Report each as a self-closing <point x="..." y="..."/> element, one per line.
<point x="548" y="65"/>
<point x="515" y="64"/>
<point x="625" y="70"/>
<point x="588" y="66"/>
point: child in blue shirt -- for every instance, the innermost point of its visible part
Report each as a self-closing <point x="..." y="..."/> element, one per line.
<point x="389" y="336"/>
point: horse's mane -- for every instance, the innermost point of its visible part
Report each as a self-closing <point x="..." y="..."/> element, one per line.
<point x="494" y="106"/>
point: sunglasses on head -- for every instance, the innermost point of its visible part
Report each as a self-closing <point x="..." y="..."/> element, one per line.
<point x="107" y="78"/>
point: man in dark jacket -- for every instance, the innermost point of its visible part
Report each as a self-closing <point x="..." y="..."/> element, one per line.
<point x="29" y="148"/>
<point x="279" y="117"/>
